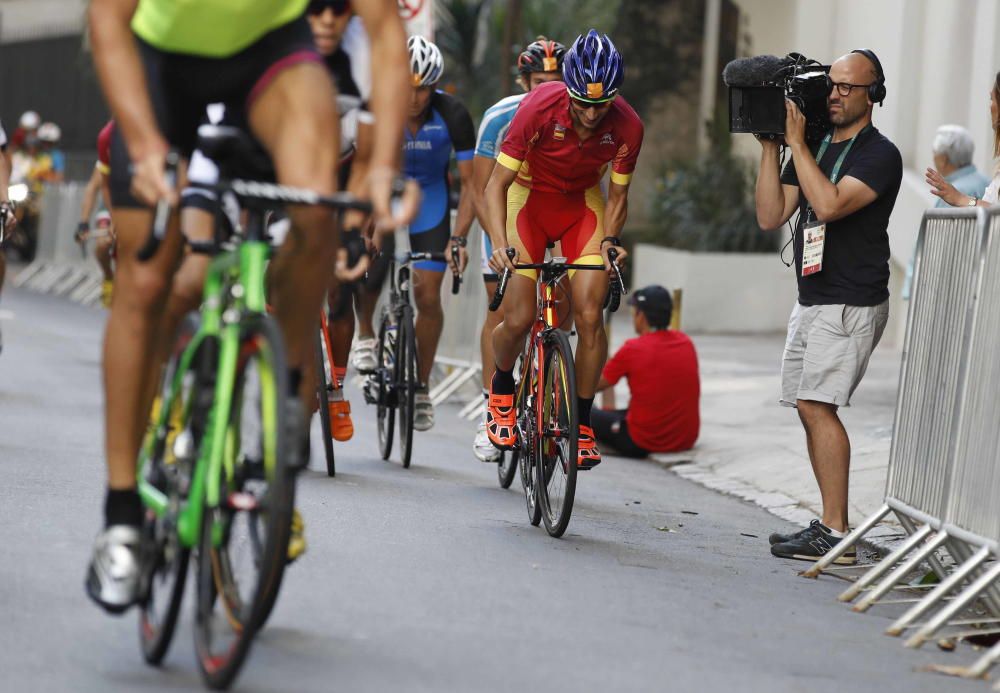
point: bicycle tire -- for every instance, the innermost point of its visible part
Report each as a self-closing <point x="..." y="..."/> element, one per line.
<point x="507" y="468"/>
<point x="526" y="451"/>
<point x="323" y="395"/>
<point x="270" y="511"/>
<point x="406" y="383"/>
<point x="385" y="385"/>
<point x="556" y="463"/>
<point x="164" y="556"/>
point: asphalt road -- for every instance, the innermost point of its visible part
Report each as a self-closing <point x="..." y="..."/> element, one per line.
<point x="425" y="579"/>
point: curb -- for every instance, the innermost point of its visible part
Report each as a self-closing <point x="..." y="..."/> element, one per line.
<point x="878" y="542"/>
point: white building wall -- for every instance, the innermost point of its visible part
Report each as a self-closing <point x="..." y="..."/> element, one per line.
<point x="22" y="20"/>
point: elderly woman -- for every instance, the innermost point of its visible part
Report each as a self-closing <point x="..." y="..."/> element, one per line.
<point x="943" y="188"/>
<point x="953" y="149"/>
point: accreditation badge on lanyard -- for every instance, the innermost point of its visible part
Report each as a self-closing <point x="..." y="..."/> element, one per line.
<point x="814" y="231"/>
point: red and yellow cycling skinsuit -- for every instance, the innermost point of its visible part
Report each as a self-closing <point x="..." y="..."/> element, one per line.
<point x="557" y="194"/>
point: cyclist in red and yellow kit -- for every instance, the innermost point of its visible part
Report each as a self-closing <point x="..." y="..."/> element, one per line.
<point x="547" y="189"/>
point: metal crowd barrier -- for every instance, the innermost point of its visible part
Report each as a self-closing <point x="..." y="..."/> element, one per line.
<point x="59" y="267"/>
<point x="943" y="483"/>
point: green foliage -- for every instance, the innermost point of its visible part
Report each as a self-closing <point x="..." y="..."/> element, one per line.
<point x="706" y="204"/>
<point x="563" y="21"/>
<point x="661" y="42"/>
<point x="470" y="35"/>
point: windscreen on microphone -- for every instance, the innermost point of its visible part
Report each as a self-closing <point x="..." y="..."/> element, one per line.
<point x="755" y="71"/>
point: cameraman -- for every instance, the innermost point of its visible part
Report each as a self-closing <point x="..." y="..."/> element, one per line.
<point x="844" y="189"/>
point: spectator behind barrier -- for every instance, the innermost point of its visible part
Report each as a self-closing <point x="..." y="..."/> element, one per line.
<point x="948" y="191"/>
<point x="27" y="125"/>
<point x="50" y="163"/>
<point x="952" y="149"/>
<point x="661" y="366"/>
<point x="844" y="189"/>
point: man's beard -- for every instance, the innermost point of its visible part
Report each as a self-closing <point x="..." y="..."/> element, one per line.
<point x="844" y="119"/>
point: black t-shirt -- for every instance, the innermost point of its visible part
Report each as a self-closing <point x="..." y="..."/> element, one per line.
<point x="856" y="255"/>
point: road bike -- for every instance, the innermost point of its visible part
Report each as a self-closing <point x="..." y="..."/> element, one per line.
<point x="546" y="398"/>
<point x="217" y="470"/>
<point x="392" y="385"/>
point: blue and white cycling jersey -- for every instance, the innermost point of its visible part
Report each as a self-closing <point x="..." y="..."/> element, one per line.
<point x="426" y="155"/>
<point x="496" y="122"/>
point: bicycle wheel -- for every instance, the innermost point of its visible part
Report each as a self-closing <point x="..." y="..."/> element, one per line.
<point x="507" y="468"/>
<point x="383" y="377"/>
<point x="526" y="451"/>
<point x="172" y="455"/>
<point x="406" y="383"/>
<point x="558" y="432"/>
<point x="244" y="541"/>
<point x="323" y="395"/>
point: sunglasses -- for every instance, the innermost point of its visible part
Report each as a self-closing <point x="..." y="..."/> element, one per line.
<point x="339" y="7"/>
<point x="599" y="104"/>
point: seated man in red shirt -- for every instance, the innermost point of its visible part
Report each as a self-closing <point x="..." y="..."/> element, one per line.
<point x="662" y="370"/>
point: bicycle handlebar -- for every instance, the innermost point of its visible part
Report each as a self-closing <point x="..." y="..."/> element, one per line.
<point x="285" y="194"/>
<point x="421" y="256"/>
<point x="616" y="288"/>
<point x="502" y="284"/>
<point x="7" y="207"/>
<point x="247" y="190"/>
<point x="456" y="279"/>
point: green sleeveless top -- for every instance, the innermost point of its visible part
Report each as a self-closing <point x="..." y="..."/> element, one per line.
<point x="210" y="28"/>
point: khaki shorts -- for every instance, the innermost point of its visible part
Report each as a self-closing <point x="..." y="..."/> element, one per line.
<point x="827" y="351"/>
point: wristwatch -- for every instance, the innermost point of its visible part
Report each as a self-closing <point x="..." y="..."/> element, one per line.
<point x="973" y="201"/>
<point x="460" y="240"/>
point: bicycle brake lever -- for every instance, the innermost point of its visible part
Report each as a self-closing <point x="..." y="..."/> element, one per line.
<point x="502" y="284"/>
<point x="163" y="209"/>
<point x="456" y="279"/>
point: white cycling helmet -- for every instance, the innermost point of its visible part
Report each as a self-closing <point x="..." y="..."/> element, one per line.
<point x="29" y="120"/>
<point x="426" y="62"/>
<point x="49" y="132"/>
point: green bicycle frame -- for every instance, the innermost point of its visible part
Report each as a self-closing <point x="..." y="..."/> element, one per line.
<point x="234" y="288"/>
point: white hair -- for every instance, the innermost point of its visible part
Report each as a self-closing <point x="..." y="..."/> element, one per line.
<point x="955" y="143"/>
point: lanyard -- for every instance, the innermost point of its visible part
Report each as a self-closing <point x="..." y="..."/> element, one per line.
<point x="843" y="155"/>
<point x="836" y="167"/>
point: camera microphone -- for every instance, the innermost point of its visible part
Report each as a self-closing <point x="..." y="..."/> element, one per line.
<point x="755" y="71"/>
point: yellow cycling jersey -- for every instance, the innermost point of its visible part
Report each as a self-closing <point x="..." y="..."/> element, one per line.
<point x="210" y="28"/>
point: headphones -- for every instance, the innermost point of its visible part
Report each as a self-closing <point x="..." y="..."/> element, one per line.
<point x="876" y="90"/>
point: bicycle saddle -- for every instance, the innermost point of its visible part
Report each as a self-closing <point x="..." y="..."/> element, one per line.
<point x="236" y="153"/>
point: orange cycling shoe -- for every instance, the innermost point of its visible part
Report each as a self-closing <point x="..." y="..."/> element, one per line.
<point x="587" y="454"/>
<point x="341" y="425"/>
<point x="501" y="421"/>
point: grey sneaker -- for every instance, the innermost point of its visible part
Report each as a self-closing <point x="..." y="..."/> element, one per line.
<point x="779" y="538"/>
<point x="113" y="574"/>
<point x="363" y="358"/>
<point x="423" y="412"/>
<point x="812" y="544"/>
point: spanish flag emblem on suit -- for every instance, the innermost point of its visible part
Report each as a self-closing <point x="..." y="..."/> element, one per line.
<point x="559" y="133"/>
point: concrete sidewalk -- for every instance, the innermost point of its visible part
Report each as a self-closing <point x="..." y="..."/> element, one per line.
<point x="753" y="448"/>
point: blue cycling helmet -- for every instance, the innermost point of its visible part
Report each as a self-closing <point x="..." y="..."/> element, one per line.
<point x="593" y="68"/>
